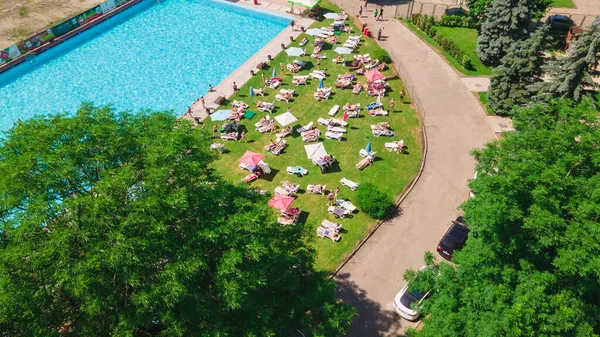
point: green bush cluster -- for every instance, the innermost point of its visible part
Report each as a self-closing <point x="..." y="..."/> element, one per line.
<point x="381" y="55"/>
<point x="373" y="201"/>
<point x="427" y="24"/>
<point x="457" y="21"/>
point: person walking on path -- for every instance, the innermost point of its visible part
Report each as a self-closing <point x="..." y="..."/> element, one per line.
<point x="376" y="12"/>
<point x="215" y="130"/>
<point x="402" y="94"/>
<point x="235" y="88"/>
<point x="366" y="3"/>
<point x="360" y="11"/>
<point x="203" y="102"/>
<point x="380" y="17"/>
<point x="379" y="34"/>
<point x="292" y="24"/>
<point x="392" y="104"/>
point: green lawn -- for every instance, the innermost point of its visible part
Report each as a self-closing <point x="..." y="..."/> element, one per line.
<point x="483" y="98"/>
<point x="465" y="39"/>
<point x="391" y="171"/>
<point x="563" y="3"/>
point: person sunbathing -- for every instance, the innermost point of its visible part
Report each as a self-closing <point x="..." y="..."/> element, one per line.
<point x="259" y="104"/>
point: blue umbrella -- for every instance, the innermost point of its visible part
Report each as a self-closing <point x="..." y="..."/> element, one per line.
<point x="368" y="148"/>
<point x="251" y="92"/>
<point x="321" y="84"/>
<point x="274" y="72"/>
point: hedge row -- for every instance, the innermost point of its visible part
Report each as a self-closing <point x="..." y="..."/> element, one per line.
<point x="427" y="24"/>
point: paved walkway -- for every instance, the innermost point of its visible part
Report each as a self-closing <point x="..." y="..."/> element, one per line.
<point x="455" y="125"/>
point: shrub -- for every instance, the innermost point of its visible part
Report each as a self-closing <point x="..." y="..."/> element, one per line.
<point x="314" y="13"/>
<point x="467" y="62"/>
<point x="457" y="21"/>
<point x="382" y="55"/>
<point x="432" y="32"/>
<point x="372" y="201"/>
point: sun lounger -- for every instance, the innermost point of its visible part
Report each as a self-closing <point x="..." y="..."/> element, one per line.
<point x="337" y="129"/>
<point x="324" y="162"/>
<point x="297" y="170"/>
<point x="345" y="204"/>
<point x="273" y="84"/>
<point x="379" y="131"/>
<point x="290" y="186"/>
<point x="357" y="88"/>
<point x="262" y="121"/>
<point x="372" y="64"/>
<point x="322" y="95"/>
<point x="352" y="107"/>
<point x="354" y="38"/>
<point x="267" y="127"/>
<point x="318" y="74"/>
<point x="334" y="135"/>
<point x="323" y="121"/>
<point x="367" y="161"/>
<point x="294" y="68"/>
<point x="334" y="226"/>
<point x="265" y="106"/>
<point x="316" y="189"/>
<point x="307" y="127"/>
<point x="303" y="42"/>
<point x="217" y="146"/>
<point x="282" y="191"/>
<point x="295" y="212"/>
<point x="237" y="104"/>
<point x="251" y="177"/>
<point x="259" y="92"/>
<point x="363" y="153"/>
<point x="395" y="146"/>
<point x="283" y="97"/>
<point x="349" y="183"/>
<point x="279" y="147"/>
<point x="350" y="44"/>
<point x="332" y="39"/>
<point x="378" y="112"/>
<point x="286" y="220"/>
<point x="327" y="233"/>
<point x="338" y="211"/>
<point x="334" y="110"/>
<point x="300" y="80"/>
<point x="285" y="132"/>
<point x="338" y="122"/>
<point x="229" y="136"/>
<point x="373" y="106"/>
<point x="311" y="137"/>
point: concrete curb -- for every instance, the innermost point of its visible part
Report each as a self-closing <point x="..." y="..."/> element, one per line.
<point x="398" y="200"/>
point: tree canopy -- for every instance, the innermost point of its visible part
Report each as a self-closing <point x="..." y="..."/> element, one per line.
<point x="115" y="224"/>
<point x="531" y="265"/>
<point x="478" y="8"/>
<point x="518" y="70"/>
<point x="505" y="21"/>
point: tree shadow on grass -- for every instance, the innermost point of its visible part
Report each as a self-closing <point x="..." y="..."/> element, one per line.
<point x="371" y="319"/>
<point x="271" y="176"/>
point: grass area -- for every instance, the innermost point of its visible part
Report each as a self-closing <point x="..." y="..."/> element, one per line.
<point x="563" y="3"/>
<point x="391" y="171"/>
<point x="467" y="43"/>
<point x="483" y="98"/>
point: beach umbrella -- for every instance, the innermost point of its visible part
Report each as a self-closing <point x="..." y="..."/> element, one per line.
<point x="315" y="151"/>
<point x="373" y="75"/>
<point x="343" y="50"/>
<point x="313" y="31"/>
<point x="321" y="84"/>
<point x="286" y="119"/>
<point x="368" y="148"/>
<point x="251" y="92"/>
<point x="274" y="72"/>
<point x="294" y="51"/>
<point x="220" y="115"/>
<point x="331" y="15"/>
<point x="345" y="115"/>
<point x="305" y="3"/>
<point x="251" y="158"/>
<point x="281" y="202"/>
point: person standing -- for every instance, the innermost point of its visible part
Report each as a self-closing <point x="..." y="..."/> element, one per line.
<point x="392" y="104"/>
<point x="379" y="34"/>
<point x="242" y="136"/>
<point x="360" y="11"/>
<point x="336" y="192"/>
<point x="376" y="12"/>
<point x="402" y="94"/>
<point x="282" y="68"/>
<point x="292" y="24"/>
<point x="203" y="102"/>
<point x="330" y="198"/>
<point x="215" y="130"/>
<point x="380" y="18"/>
<point x="319" y="63"/>
<point x="366" y="3"/>
<point x="235" y="88"/>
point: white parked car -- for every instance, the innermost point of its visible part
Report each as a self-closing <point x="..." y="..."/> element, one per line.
<point x="407" y="302"/>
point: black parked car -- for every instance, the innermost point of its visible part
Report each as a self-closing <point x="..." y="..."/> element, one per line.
<point x="560" y="22"/>
<point x="454" y="239"/>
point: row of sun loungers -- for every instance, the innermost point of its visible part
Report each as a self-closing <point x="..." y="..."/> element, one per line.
<point x="332" y="122"/>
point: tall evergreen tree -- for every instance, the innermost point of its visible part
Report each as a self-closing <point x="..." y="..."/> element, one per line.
<point x="571" y="77"/>
<point x="478" y="8"/>
<point x="505" y="21"/>
<point x="519" y="68"/>
<point x="531" y="264"/>
<point x="115" y="225"/>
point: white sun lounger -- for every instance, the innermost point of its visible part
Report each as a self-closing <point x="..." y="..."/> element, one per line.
<point x="349" y="183"/>
<point x="346" y="204"/>
<point x="338" y="129"/>
<point x="305" y="128"/>
<point x="363" y="153"/>
<point x="334" y="110"/>
<point x="338" y="122"/>
<point x="317" y="74"/>
<point x="323" y="121"/>
<point x="334" y="135"/>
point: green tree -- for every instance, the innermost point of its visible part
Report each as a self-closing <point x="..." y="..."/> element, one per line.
<point x="571" y="77"/>
<point x="115" y="224"/>
<point x="506" y="21"/>
<point x="519" y="68"/>
<point x="530" y="266"/>
<point x="478" y="8"/>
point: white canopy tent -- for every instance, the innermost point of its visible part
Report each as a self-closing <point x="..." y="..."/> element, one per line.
<point x="315" y="151"/>
<point x="286" y="119"/>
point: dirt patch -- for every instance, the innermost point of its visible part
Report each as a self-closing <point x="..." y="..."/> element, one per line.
<point x="20" y="19"/>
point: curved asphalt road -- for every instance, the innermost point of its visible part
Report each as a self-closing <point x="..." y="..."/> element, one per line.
<point x="455" y="125"/>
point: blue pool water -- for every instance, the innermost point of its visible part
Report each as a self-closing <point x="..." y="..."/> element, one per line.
<point x="160" y="56"/>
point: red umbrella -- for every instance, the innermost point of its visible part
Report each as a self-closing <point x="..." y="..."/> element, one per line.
<point x="251" y="158"/>
<point x="373" y="75"/>
<point x="281" y="202"/>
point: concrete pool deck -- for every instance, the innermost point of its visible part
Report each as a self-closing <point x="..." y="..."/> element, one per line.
<point x="242" y="74"/>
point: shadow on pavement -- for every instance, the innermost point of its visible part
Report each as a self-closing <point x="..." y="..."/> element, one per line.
<point x="372" y="320"/>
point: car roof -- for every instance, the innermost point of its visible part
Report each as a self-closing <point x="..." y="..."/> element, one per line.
<point x="456" y="234"/>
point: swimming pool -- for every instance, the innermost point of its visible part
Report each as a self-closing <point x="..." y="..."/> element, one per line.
<point x="160" y="56"/>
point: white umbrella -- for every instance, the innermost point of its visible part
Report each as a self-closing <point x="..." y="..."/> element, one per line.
<point x="286" y="119"/>
<point x="313" y="31"/>
<point x="315" y="151"/>
<point x="294" y="51"/>
<point x="343" y="50"/>
<point x="220" y="115"/>
<point x="305" y="3"/>
<point x="331" y="15"/>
